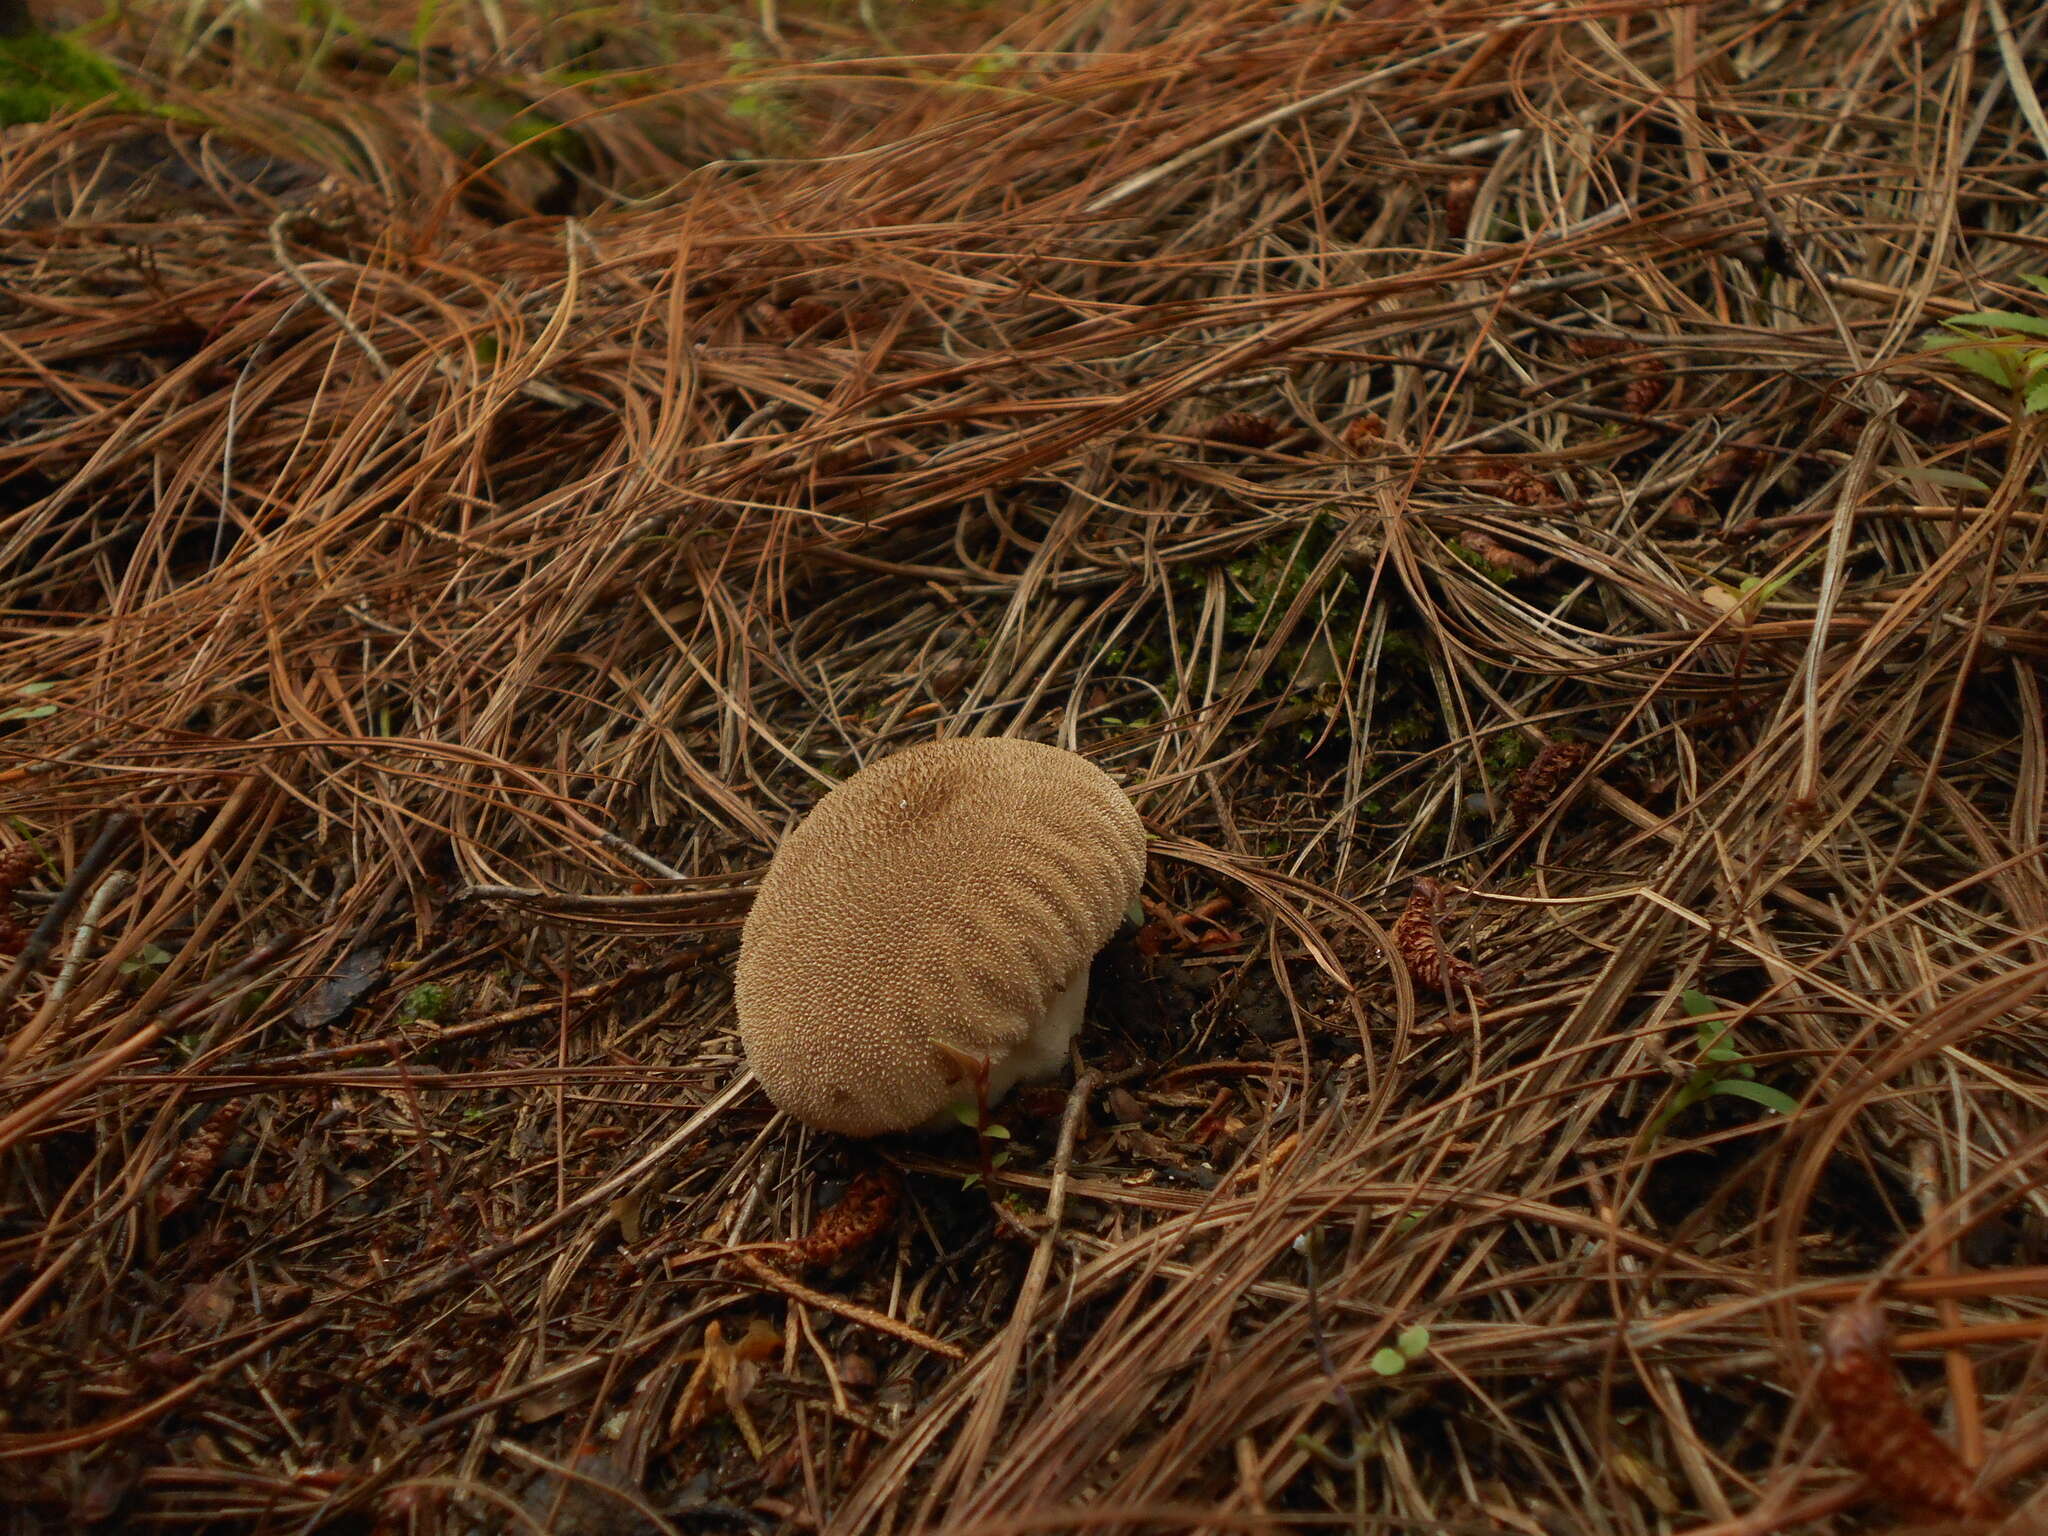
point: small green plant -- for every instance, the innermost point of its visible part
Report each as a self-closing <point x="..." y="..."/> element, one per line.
<point x="2004" y="347"/>
<point x="969" y="1115"/>
<point x="1408" y="1346"/>
<point x="1750" y="593"/>
<point x="989" y="67"/>
<point x="1720" y="1068"/>
<point x="1265" y="581"/>
<point x="44" y="74"/>
<point x="425" y="1003"/>
<point x="759" y="104"/>
<point x="30" y="711"/>
<point x="146" y="962"/>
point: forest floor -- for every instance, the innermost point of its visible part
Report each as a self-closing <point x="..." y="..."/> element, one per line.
<point x="470" y="478"/>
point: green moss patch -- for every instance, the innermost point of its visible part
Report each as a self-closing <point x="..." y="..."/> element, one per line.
<point x="42" y="76"/>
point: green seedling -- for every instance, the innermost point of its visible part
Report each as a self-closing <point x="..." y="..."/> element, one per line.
<point x="145" y="962"/>
<point x="30" y="711"/>
<point x="1751" y="593"/>
<point x="974" y="1117"/>
<point x="1720" y="1068"/>
<point x="2004" y="347"/>
<point x="1407" y="1346"/>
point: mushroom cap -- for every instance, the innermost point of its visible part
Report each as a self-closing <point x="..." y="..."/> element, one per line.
<point x="936" y="904"/>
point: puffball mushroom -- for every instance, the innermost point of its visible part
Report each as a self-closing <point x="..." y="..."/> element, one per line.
<point x="939" y="908"/>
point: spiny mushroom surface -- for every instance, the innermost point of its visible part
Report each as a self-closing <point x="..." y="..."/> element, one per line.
<point x="940" y="906"/>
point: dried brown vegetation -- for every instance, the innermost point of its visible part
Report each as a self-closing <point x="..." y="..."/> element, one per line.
<point x="460" y="507"/>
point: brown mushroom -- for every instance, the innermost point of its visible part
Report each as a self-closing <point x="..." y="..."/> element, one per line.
<point x="931" y="921"/>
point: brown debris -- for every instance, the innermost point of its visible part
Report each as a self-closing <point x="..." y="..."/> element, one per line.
<point x="1881" y="1434"/>
<point x="1596" y="346"/>
<point x="16" y="865"/>
<point x="1546" y="776"/>
<point x="197" y="1160"/>
<point x="725" y="1374"/>
<point x="1244" y="429"/>
<point x="1923" y="410"/>
<point x="1364" y="433"/>
<point x="1198" y="930"/>
<point x="1730" y="467"/>
<point x="1509" y="478"/>
<point x="862" y="1214"/>
<point x="1418" y="939"/>
<point x="1686" y="511"/>
<point x="1458" y="199"/>
<point x="1647" y="390"/>
<point x="1525" y="488"/>
<point x="1495" y="553"/>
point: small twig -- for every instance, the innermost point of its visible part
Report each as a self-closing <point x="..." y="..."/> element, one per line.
<point x="852" y="1311"/>
<point x="978" y="1436"/>
<point x="1925" y="1166"/>
<point x="334" y="312"/>
<point x="1340" y="1393"/>
<point x="112" y="835"/>
<point x="646" y="861"/>
<point x="81" y="938"/>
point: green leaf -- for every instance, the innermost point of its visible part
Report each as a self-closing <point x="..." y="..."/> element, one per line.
<point x="1995" y="365"/>
<point x="28" y="712"/>
<point x="1390" y="1362"/>
<point x="2003" y="319"/>
<point x="1954" y="479"/>
<point x="150" y="957"/>
<point x="969" y="1115"/>
<point x="1697" y="1003"/>
<point x="2037" y="395"/>
<point x="2035" y="280"/>
<point x="30" y="690"/>
<point x="1413" y="1341"/>
<point x="1757" y="1093"/>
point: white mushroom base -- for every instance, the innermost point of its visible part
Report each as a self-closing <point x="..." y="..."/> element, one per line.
<point x="1039" y="1055"/>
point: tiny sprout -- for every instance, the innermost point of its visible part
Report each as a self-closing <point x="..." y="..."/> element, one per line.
<point x="969" y="1115"/>
<point x="150" y="957"/>
<point x="30" y="711"/>
<point x="1000" y="1159"/>
<point x="1408" y="1346"/>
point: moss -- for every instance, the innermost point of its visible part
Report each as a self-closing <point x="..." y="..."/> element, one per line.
<point x="42" y="75"/>
<point x="1267" y="580"/>
<point x="479" y="121"/>
<point x="426" y="1003"/>
<point x="1510" y="753"/>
